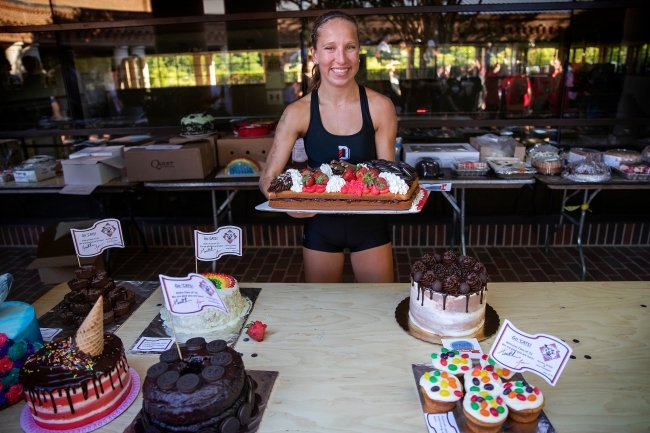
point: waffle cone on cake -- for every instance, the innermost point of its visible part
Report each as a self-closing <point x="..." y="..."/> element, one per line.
<point x="90" y="335"/>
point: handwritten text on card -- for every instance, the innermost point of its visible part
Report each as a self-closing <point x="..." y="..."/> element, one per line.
<point x="211" y="246"/>
<point x="104" y="234"/>
<point x="191" y="294"/>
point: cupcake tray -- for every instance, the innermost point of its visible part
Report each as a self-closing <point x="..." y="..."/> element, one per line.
<point x="631" y="176"/>
<point x="491" y="326"/>
<point x="142" y="289"/>
<point x="264" y="381"/>
<point x="156" y="329"/>
<point x="542" y="425"/>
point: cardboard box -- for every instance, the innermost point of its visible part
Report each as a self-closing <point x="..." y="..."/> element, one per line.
<point x="99" y="151"/>
<point x="212" y="139"/>
<point x="231" y="147"/>
<point x="448" y="153"/>
<point x="194" y="160"/>
<point x="56" y="259"/>
<point x="486" y="152"/>
<point x="92" y="170"/>
<point x="34" y="175"/>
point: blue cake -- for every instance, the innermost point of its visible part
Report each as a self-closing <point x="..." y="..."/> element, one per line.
<point x="18" y="322"/>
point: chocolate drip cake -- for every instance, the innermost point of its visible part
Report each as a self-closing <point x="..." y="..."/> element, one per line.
<point x="208" y="389"/>
<point x="377" y="184"/>
<point x="448" y="295"/>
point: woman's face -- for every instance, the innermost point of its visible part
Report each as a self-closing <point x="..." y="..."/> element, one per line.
<point x="337" y="52"/>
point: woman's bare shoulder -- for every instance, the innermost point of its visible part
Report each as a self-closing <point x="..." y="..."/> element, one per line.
<point x="379" y="101"/>
<point x="297" y="114"/>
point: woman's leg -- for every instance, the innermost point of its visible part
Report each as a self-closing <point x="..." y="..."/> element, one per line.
<point x="374" y="265"/>
<point x="322" y="267"/>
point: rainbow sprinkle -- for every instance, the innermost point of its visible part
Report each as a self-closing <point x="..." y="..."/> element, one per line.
<point x="221" y="281"/>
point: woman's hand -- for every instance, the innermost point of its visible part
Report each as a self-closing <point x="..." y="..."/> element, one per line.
<point x="300" y="214"/>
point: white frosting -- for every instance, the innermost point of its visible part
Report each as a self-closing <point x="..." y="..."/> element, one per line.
<point x="519" y="387"/>
<point x="325" y="168"/>
<point x="441" y="386"/>
<point x="477" y="380"/>
<point x="452" y="321"/>
<point x="296" y="180"/>
<point x="396" y="184"/>
<point x="210" y="319"/>
<point x="451" y="361"/>
<point x="488" y="363"/>
<point x="490" y="402"/>
<point x="334" y="184"/>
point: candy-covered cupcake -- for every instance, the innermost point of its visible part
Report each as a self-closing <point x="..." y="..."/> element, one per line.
<point x="524" y="401"/>
<point x="479" y="379"/>
<point x="484" y="412"/>
<point x="451" y="361"/>
<point x="441" y="391"/>
<point x="488" y="363"/>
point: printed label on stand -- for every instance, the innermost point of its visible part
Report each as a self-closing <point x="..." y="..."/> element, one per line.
<point x="103" y="234"/>
<point x="541" y="354"/>
<point x="437" y="186"/>
<point x="151" y="344"/>
<point x="191" y="294"/>
<point x="464" y="345"/>
<point x="227" y="240"/>
<point x="48" y="334"/>
<point x="441" y="422"/>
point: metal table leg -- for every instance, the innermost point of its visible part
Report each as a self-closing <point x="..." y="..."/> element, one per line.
<point x="550" y="234"/>
<point x="216" y="211"/>
<point x="459" y="213"/>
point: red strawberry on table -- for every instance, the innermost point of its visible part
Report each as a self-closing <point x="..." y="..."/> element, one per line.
<point x="349" y="175"/>
<point x="256" y="330"/>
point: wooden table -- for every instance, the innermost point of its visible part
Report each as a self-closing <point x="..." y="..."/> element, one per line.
<point x="345" y="364"/>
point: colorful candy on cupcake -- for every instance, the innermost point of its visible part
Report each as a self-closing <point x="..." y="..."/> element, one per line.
<point x="484" y="413"/>
<point x="488" y="363"/>
<point x="524" y="401"/>
<point x="441" y="391"/>
<point x="480" y="379"/>
<point x="451" y="361"/>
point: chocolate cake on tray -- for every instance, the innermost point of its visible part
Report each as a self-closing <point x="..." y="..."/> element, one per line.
<point x="371" y="185"/>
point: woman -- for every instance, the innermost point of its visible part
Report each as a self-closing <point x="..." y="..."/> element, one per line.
<point x="338" y="120"/>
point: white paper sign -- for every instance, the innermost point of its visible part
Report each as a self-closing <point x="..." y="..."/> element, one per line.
<point x="541" y="354"/>
<point x="149" y="344"/>
<point x="103" y="234"/>
<point x="191" y="294"/>
<point x="49" y="333"/>
<point x="464" y="345"/>
<point x="441" y="422"/>
<point x="211" y="246"/>
<point x="436" y="186"/>
<point x="164" y="147"/>
<point x="78" y="189"/>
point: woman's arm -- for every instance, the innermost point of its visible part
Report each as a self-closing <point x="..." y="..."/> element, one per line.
<point x="384" y="119"/>
<point x="291" y="126"/>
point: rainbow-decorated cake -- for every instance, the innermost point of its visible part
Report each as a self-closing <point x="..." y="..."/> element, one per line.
<point x="243" y="165"/>
<point x="18" y="322"/>
<point x="211" y="320"/>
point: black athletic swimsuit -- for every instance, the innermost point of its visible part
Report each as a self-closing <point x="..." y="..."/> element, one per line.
<point x="333" y="233"/>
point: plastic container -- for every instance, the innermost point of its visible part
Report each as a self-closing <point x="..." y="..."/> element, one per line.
<point x="616" y="157"/>
<point x="587" y="171"/>
<point x="511" y="168"/>
<point x="581" y="153"/>
<point x="470" y="168"/>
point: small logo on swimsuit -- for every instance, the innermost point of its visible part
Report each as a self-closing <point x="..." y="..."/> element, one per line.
<point x="344" y="152"/>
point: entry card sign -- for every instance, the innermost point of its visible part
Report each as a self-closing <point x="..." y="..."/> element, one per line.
<point x="103" y="234"/>
<point x="541" y="354"/>
<point x="211" y="246"/>
<point x="150" y="344"/>
<point x="48" y="334"/>
<point x="441" y="422"/>
<point x="190" y="295"/>
<point x="464" y="345"/>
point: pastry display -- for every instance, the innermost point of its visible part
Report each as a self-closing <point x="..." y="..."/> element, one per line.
<point x="633" y="172"/>
<point x="211" y="319"/>
<point x="547" y="164"/>
<point x="197" y="124"/>
<point x="587" y="171"/>
<point x="207" y="390"/>
<point x="88" y="286"/>
<point x="479" y="379"/>
<point x="470" y="168"/>
<point x="484" y="413"/>
<point x="451" y="361"/>
<point x="448" y="294"/>
<point x="511" y="168"/>
<point x="581" y="153"/>
<point x="488" y="363"/>
<point x="243" y="165"/>
<point x="524" y="401"/>
<point x="377" y="184"/>
<point x="74" y="382"/>
<point x="616" y="157"/>
<point x="440" y="390"/>
<point x="253" y="129"/>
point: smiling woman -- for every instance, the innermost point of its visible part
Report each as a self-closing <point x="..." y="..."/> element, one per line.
<point x="338" y="120"/>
